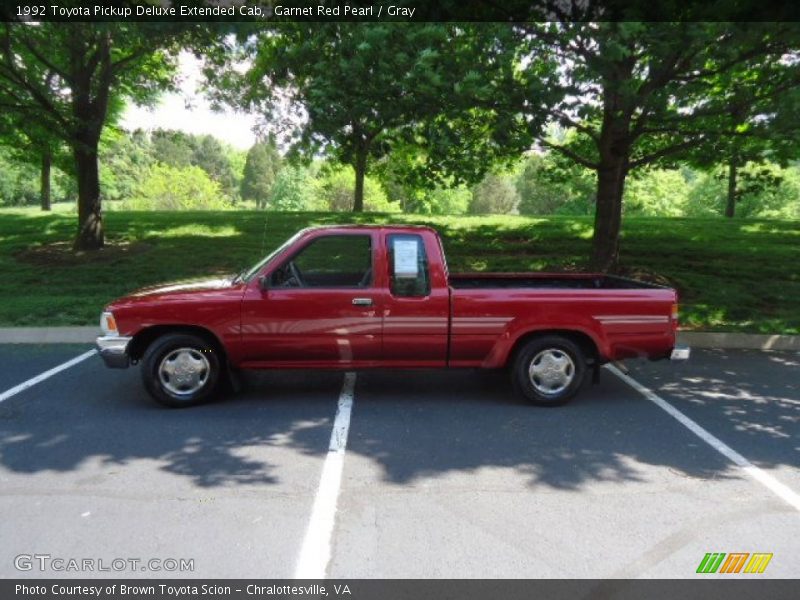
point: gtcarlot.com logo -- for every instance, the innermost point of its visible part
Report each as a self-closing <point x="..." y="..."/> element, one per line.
<point x="47" y="562"/>
<point x="734" y="562"/>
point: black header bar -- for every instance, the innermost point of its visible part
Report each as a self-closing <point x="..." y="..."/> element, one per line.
<point x="417" y="11"/>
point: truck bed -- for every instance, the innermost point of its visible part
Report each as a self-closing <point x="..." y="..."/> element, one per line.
<point x="572" y="281"/>
<point x="625" y="317"/>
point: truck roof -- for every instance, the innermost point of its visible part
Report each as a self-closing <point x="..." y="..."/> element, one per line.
<point x="373" y="227"/>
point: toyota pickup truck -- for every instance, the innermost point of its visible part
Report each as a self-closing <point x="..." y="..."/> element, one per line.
<point x="359" y="297"/>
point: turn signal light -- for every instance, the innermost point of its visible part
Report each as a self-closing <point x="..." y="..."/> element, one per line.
<point x="107" y="323"/>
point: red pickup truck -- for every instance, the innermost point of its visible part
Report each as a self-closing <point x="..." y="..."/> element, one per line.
<point x="356" y="297"/>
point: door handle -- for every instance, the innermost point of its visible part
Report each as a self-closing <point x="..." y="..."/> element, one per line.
<point x="362" y="301"/>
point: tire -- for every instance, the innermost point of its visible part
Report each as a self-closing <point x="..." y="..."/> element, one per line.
<point x="549" y="371"/>
<point x="180" y="370"/>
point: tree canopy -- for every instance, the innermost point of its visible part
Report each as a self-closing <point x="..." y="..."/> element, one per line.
<point x="639" y="93"/>
<point x="261" y="168"/>
<point x="356" y="92"/>
<point x="64" y="77"/>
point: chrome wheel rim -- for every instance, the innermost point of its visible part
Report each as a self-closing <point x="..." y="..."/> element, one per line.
<point x="551" y="371"/>
<point x="184" y="371"/>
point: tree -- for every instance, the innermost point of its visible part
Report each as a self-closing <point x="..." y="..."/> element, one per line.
<point x="180" y="149"/>
<point x="64" y="76"/>
<point x="212" y="156"/>
<point x="759" y="128"/>
<point x="292" y="190"/>
<point x="35" y="144"/>
<point x="35" y="147"/>
<point x="550" y="183"/>
<point x="335" y="186"/>
<point x="639" y="93"/>
<point x="260" y="172"/>
<point x="172" y="147"/>
<point x="496" y="194"/>
<point x="355" y="92"/>
<point x="18" y="183"/>
<point x="125" y="161"/>
<point x="765" y="190"/>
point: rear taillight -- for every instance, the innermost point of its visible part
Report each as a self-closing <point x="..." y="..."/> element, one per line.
<point x="674" y="316"/>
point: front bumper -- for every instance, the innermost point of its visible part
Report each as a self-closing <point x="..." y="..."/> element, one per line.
<point x="680" y="353"/>
<point x="113" y="350"/>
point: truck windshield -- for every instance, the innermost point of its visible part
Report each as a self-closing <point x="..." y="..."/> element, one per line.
<point x="252" y="272"/>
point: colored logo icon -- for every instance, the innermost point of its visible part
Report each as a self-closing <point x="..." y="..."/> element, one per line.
<point x="734" y="562"/>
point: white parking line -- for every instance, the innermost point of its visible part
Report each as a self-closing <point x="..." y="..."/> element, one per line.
<point x="42" y="376"/>
<point x="783" y="492"/>
<point x="316" y="550"/>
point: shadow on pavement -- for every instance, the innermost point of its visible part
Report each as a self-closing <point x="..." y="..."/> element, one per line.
<point x="750" y="399"/>
<point x="413" y="424"/>
<point x="447" y="422"/>
<point x="90" y="413"/>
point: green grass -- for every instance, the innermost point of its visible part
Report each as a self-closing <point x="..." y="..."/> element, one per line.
<point x="732" y="275"/>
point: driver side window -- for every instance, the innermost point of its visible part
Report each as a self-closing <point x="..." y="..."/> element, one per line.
<point x="335" y="261"/>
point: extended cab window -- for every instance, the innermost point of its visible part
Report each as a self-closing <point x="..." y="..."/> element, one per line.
<point x="334" y="261"/>
<point x="408" y="266"/>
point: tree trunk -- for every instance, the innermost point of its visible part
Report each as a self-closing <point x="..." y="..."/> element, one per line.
<point x="730" y="207"/>
<point x="614" y="150"/>
<point x="360" y="167"/>
<point x="45" y="179"/>
<point x="91" y="87"/>
<point x="608" y="214"/>
<point x="90" y="220"/>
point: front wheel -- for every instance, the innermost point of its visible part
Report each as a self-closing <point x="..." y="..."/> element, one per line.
<point x="549" y="371"/>
<point x="180" y="370"/>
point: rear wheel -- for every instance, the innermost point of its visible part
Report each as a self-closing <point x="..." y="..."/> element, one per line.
<point x="180" y="370"/>
<point x="549" y="371"/>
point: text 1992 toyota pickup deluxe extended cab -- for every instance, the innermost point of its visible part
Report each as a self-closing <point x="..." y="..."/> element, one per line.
<point x="355" y="297"/>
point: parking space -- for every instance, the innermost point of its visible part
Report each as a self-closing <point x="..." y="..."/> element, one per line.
<point x="750" y="399"/>
<point x="445" y="474"/>
<point x="450" y="476"/>
<point x="90" y="467"/>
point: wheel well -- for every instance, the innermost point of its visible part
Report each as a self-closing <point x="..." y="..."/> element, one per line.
<point x="583" y="341"/>
<point x="142" y="340"/>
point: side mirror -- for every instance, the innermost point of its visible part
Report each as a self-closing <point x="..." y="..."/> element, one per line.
<point x="263" y="283"/>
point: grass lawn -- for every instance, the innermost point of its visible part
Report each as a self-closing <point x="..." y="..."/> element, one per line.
<point x="733" y="275"/>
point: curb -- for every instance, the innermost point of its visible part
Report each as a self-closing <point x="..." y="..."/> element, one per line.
<point x="695" y="339"/>
<point x="747" y="341"/>
<point x="48" y="335"/>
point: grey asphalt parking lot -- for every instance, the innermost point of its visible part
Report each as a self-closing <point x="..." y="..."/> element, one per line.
<point x="444" y="474"/>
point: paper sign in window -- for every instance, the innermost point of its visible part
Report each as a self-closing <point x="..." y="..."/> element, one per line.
<point x="406" y="264"/>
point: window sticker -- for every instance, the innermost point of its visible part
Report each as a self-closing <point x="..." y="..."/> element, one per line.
<point x="406" y="263"/>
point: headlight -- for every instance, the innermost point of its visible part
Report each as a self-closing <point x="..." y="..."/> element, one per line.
<point x="108" y="324"/>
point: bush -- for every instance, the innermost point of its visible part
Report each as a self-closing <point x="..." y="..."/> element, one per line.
<point x="174" y="188"/>
<point x="656" y="193"/>
<point x="449" y="201"/>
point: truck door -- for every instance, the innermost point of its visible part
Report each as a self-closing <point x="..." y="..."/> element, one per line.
<point x="416" y="303"/>
<point x="320" y="306"/>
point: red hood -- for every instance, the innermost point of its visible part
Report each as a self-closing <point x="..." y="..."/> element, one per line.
<point x="184" y="285"/>
<point x="178" y="288"/>
<point x="207" y="302"/>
